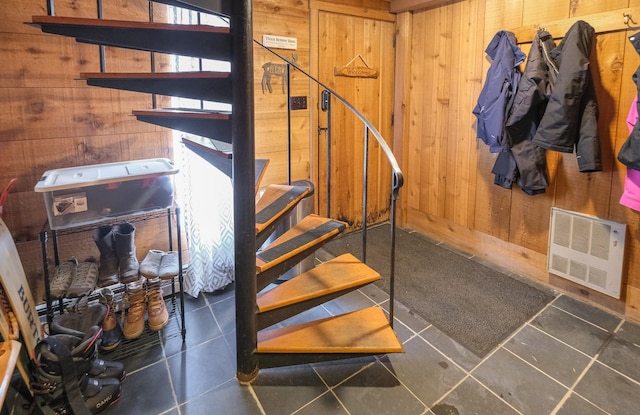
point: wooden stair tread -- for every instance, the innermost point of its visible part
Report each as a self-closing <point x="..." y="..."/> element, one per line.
<point x="362" y="331"/>
<point x="122" y="24"/>
<point x="156" y="75"/>
<point x="201" y="41"/>
<point x="275" y="200"/>
<point x="306" y="234"/>
<point x="338" y="274"/>
<point x="184" y="113"/>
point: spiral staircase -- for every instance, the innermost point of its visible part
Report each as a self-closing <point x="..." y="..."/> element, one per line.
<point x="263" y="338"/>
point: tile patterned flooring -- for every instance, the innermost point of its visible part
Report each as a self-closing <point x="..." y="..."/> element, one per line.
<point x="569" y="359"/>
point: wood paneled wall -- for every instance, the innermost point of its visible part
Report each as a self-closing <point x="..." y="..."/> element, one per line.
<point x="449" y="192"/>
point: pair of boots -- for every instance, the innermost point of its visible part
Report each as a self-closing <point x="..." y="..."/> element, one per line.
<point x="118" y="261"/>
<point x="144" y="298"/>
<point x="70" y="379"/>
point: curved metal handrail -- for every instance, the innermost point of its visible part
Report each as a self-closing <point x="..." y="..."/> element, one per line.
<point x="398" y="181"/>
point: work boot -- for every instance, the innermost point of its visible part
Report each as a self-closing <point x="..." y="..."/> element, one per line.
<point x="85" y="278"/>
<point x="156" y="307"/>
<point x="62" y="277"/>
<point x="111" y="330"/>
<point x="135" y="299"/>
<point x="78" y="318"/>
<point x="103" y="237"/>
<point x="124" y="235"/>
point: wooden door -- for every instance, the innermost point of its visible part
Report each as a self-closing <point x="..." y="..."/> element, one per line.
<point x="347" y="44"/>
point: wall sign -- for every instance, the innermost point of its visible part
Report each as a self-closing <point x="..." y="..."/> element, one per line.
<point x="352" y="70"/>
<point x="280" y="42"/>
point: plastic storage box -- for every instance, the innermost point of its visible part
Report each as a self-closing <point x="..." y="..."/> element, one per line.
<point x="83" y="195"/>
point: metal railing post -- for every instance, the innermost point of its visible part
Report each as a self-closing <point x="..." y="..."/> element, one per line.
<point x="365" y="195"/>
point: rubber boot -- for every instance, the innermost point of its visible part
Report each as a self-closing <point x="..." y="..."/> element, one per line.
<point x="156" y="307"/>
<point x="135" y="298"/>
<point x="111" y="330"/>
<point x="103" y="237"/>
<point x="124" y="235"/>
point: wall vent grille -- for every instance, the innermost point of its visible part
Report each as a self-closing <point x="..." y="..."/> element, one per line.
<point x="587" y="250"/>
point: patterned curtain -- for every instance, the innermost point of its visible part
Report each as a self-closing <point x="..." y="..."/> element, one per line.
<point x="206" y="197"/>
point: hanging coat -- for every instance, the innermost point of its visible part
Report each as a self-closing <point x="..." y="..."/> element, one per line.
<point x="629" y="153"/>
<point x="529" y="104"/>
<point x="497" y="93"/>
<point x="570" y="119"/>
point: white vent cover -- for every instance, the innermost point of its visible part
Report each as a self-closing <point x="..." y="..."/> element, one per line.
<point x="587" y="250"/>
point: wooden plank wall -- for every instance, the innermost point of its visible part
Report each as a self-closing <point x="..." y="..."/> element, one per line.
<point x="449" y="192"/>
<point x="52" y="120"/>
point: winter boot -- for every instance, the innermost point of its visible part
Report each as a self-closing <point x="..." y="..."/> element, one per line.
<point x="63" y="380"/>
<point x="84" y="279"/>
<point x="79" y="318"/>
<point x="111" y="330"/>
<point x="103" y="237"/>
<point x="156" y="308"/>
<point x="124" y="235"/>
<point x="135" y="298"/>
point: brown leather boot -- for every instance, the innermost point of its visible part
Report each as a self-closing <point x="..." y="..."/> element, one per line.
<point x="135" y="298"/>
<point x="157" y="309"/>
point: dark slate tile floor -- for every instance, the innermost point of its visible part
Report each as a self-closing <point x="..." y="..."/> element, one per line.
<point x="569" y="359"/>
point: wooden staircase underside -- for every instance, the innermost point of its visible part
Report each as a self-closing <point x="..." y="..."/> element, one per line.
<point x="203" y="123"/>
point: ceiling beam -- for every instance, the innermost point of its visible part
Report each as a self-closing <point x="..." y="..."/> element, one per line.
<point x="398" y="6"/>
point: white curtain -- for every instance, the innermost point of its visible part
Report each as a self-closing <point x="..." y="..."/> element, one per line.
<point x="206" y="198"/>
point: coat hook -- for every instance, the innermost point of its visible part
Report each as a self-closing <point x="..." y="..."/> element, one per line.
<point x="628" y="18"/>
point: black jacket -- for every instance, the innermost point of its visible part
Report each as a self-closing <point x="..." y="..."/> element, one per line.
<point x="570" y="119"/>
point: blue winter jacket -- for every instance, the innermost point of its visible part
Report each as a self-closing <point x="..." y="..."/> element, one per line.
<point x="496" y="96"/>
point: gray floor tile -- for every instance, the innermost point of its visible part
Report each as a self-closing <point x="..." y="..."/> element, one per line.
<point x="225" y="314"/>
<point x="375" y="293"/>
<point x="194" y="321"/>
<point x="449" y="347"/>
<point x="554" y="358"/>
<point x="325" y="404"/>
<point x="622" y="356"/>
<point x="376" y="391"/>
<point x="286" y="390"/>
<point x="629" y="332"/>
<point x="610" y="391"/>
<point x="587" y="312"/>
<point x="338" y="371"/>
<point x="352" y="301"/>
<point x="522" y="386"/>
<point x="470" y="397"/>
<point x="407" y="317"/>
<point x="201" y="368"/>
<point x="575" y="332"/>
<point x="230" y="398"/>
<point x="426" y="372"/>
<point x="576" y="405"/>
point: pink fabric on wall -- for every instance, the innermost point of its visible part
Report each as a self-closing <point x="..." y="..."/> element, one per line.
<point x="631" y="193"/>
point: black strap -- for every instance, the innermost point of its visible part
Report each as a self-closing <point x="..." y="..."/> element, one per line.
<point x="69" y="376"/>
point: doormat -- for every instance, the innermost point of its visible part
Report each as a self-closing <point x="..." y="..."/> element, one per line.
<point x="475" y="305"/>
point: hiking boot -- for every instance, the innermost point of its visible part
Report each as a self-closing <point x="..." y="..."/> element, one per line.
<point x="79" y="318"/>
<point x="135" y="297"/>
<point x="103" y="237"/>
<point x="111" y="330"/>
<point x="128" y="266"/>
<point x="150" y="265"/>
<point x="169" y="266"/>
<point x="62" y="277"/>
<point x="84" y="280"/>
<point x="156" y="307"/>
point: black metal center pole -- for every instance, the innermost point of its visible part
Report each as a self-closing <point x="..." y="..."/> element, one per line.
<point x="243" y="191"/>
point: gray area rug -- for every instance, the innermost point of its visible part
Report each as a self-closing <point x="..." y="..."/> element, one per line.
<point x="473" y="304"/>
